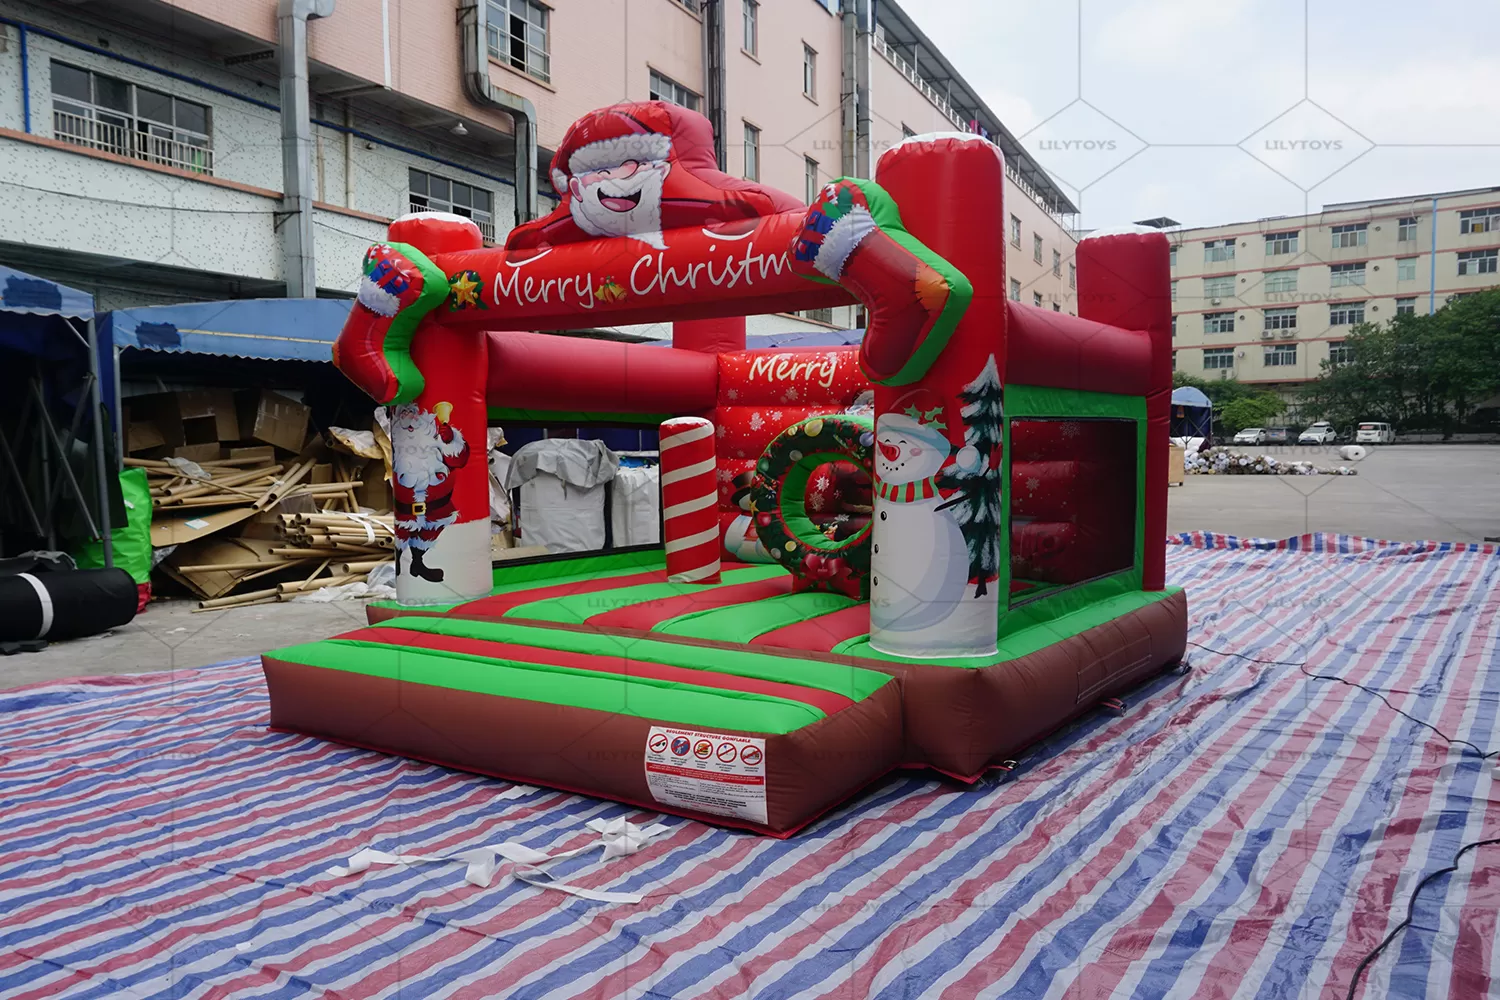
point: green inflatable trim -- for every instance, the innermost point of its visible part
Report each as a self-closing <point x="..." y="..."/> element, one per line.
<point x="397" y="344"/>
<point x="575" y="609"/>
<point x="745" y="622"/>
<point x="512" y="576"/>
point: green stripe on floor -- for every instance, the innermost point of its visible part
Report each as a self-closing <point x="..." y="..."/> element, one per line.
<point x="575" y="609"/>
<point x="744" y="622"/>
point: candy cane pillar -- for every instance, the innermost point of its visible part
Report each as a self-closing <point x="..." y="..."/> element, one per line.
<point x="690" y="498"/>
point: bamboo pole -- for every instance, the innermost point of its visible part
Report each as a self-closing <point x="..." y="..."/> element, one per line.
<point x="237" y="599"/>
<point x="304" y="587"/>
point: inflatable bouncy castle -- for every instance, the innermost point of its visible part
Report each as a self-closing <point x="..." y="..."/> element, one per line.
<point x="929" y="550"/>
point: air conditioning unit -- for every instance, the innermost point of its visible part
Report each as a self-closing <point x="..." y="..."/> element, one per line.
<point x="1288" y="334"/>
<point x="1267" y="334"/>
<point x="1218" y="301"/>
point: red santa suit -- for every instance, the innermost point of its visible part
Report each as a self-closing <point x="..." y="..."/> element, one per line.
<point x="639" y="170"/>
<point x="426" y="450"/>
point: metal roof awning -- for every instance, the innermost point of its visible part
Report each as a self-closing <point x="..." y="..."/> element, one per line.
<point x="270" y="329"/>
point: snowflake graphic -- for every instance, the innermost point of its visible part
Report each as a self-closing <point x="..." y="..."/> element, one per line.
<point x="732" y="394"/>
<point x="791" y="395"/>
<point x="724" y="475"/>
<point x="821" y="483"/>
<point x="756" y="423"/>
<point x="776" y="416"/>
<point x="1032" y="482"/>
<point x="722" y="431"/>
<point x="815" y="502"/>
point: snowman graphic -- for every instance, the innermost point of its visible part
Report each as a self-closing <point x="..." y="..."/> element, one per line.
<point x="919" y="565"/>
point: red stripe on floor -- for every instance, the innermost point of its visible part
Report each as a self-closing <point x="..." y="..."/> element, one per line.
<point x="819" y="634"/>
<point x="499" y="604"/>
<point x="826" y="701"/>
<point x="650" y="614"/>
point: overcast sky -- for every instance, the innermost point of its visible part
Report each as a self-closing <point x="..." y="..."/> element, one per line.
<point x="1409" y="92"/>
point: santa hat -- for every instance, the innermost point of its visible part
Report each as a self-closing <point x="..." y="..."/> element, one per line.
<point x="610" y="137"/>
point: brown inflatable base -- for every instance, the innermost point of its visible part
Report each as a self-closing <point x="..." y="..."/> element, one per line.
<point x="585" y="751"/>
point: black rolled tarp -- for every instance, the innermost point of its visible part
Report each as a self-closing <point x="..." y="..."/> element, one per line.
<point x="64" y="605"/>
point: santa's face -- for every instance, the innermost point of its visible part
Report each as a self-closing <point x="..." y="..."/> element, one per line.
<point x="411" y="420"/>
<point x="622" y="200"/>
<point x="905" y="451"/>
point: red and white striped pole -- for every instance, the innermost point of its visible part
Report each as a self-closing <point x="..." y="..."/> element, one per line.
<point x="690" y="500"/>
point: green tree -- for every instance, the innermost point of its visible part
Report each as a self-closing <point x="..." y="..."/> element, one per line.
<point x="1236" y="405"/>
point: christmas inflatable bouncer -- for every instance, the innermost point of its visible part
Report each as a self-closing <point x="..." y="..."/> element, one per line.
<point x="928" y="550"/>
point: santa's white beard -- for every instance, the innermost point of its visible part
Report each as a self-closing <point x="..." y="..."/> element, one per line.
<point x="643" y="222"/>
<point x="417" y="452"/>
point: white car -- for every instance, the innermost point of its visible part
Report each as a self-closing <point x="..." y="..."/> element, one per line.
<point x="1321" y="432"/>
<point x="1374" y="432"/>
<point x="1251" y="435"/>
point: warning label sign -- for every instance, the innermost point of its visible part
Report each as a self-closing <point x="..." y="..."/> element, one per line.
<point x="712" y="773"/>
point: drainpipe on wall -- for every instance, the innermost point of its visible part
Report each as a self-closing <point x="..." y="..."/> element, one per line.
<point x="25" y="81"/>
<point x="473" y="21"/>
<point x="713" y="73"/>
<point x="856" y="15"/>
<point x="1432" y="265"/>
<point x="298" y="260"/>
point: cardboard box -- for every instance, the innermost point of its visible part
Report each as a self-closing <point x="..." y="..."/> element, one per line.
<point x="272" y="418"/>
<point x="192" y="416"/>
<point x="199" y="452"/>
<point x="259" y="453"/>
<point x="1176" y="458"/>
<point x="374" y="490"/>
<point x="141" y="434"/>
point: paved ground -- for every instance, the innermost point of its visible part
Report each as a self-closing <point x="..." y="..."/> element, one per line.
<point x="1446" y="493"/>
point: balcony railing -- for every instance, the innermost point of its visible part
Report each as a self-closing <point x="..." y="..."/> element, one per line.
<point x="486" y="226"/>
<point x="915" y="79"/>
<point x="191" y="154"/>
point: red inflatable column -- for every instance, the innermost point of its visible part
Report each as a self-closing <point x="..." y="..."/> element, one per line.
<point x="690" y="500"/>
<point x="709" y="336"/>
<point x="1125" y="280"/>
<point x="438" y="443"/>
<point x="938" y="567"/>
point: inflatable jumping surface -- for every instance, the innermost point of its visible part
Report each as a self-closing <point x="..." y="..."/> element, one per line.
<point x="929" y="550"/>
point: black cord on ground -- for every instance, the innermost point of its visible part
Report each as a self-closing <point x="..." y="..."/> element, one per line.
<point x="1411" y="910"/>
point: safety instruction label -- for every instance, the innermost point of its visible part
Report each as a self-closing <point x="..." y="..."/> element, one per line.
<point x="712" y="773"/>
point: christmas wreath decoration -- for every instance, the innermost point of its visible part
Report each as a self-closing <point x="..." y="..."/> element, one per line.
<point x="778" y="498"/>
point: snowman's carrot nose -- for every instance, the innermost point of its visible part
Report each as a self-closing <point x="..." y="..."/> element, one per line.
<point x="890" y="451"/>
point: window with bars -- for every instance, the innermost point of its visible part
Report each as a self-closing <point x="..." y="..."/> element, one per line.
<point x="1281" y="319"/>
<point x="1172" y="257"/>
<point x="809" y="71"/>
<point x="824" y="315"/>
<point x="1406" y="229"/>
<point x="1218" y="357"/>
<point x="518" y="36"/>
<point x="750" y="15"/>
<point x="1346" y="313"/>
<point x="1406" y="269"/>
<point x="1280" y="355"/>
<point x="1341" y="275"/>
<point x="1057" y="263"/>
<point x="810" y="179"/>
<point x="1218" y="287"/>
<point x="1015" y="290"/>
<point x="1353" y="235"/>
<point x="104" y="113"/>
<point x="1218" y="322"/>
<point x="1479" y="220"/>
<point x="1478" y="261"/>
<point x="1015" y="230"/>
<point x="664" y="88"/>
<point x="1036" y="299"/>
<point x="752" y="152"/>
<point x="1072" y="275"/>
<point x="1174" y="289"/>
<point x="1281" y="281"/>
<point x="1338" y="352"/>
<point x="1278" y="244"/>
<point x="1406" y="307"/>
<point x="1036" y="248"/>
<point x="1215" y="251"/>
<point x="431" y="193"/>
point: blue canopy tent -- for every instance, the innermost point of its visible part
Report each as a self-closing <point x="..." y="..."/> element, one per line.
<point x="50" y="358"/>
<point x="1192" y="413"/>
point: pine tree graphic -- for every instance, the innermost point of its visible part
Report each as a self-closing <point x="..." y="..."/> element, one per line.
<point x="977" y="506"/>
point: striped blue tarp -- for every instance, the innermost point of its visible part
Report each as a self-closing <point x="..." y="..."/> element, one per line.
<point x="1243" y="831"/>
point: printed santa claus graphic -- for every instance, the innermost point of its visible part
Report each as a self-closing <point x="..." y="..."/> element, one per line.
<point x="640" y="170"/>
<point x="426" y="449"/>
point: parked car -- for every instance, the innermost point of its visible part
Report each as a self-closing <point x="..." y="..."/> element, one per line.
<point x="1278" y="435"/>
<point x="1251" y="435"/>
<point x="1321" y="432"/>
<point x="1374" y="432"/>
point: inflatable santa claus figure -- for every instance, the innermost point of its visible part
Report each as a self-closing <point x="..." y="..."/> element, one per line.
<point x="426" y="449"/>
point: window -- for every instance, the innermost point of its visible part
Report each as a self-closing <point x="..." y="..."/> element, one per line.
<point x="1281" y="319"/>
<point x="1340" y="275"/>
<point x="518" y="36"/>
<point x="1174" y="361"/>
<point x="751" y="15"/>
<point x="1036" y="248"/>
<point x="1280" y="355"/>
<point x="1220" y="322"/>
<point x="1406" y="307"/>
<point x="810" y="178"/>
<point x="1353" y="235"/>
<point x="752" y="153"/>
<point x="1338" y="352"/>
<point x="1015" y="231"/>
<point x="1346" y="313"/>
<point x="1406" y="229"/>
<point x="1479" y="220"/>
<point x="1072" y="275"/>
<point x="666" y="89"/>
<point x="1174" y="324"/>
<point x="1218" y="357"/>
<point x="691" y="5"/>
<point x="1280" y="243"/>
<point x="1056" y="307"/>
<point x="1015" y="290"/>
<point x="431" y="193"/>
<point x="1477" y="261"/>
<point x="1219" y="287"/>
<point x="809" y="71"/>
<point x="1036" y="299"/>
<point x="1172" y="257"/>
<point x="1217" y="250"/>
<point x="1057" y="263"/>
<point x="101" y="112"/>
<point x="824" y="315"/>
<point x="1281" y="281"/>
<point x="1174" y="289"/>
<point x="906" y="131"/>
<point x="1406" y="269"/>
